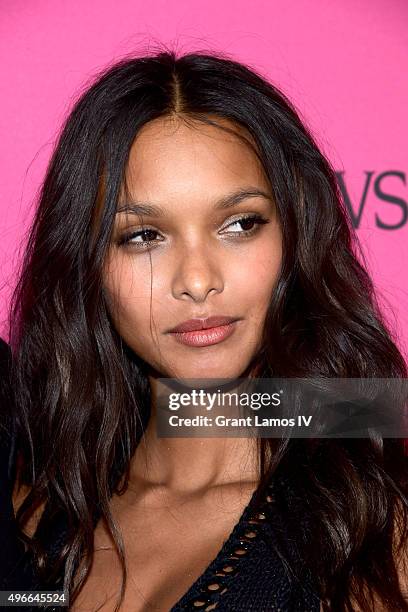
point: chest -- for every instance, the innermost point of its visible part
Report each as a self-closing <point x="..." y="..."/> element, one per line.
<point x="166" y="550"/>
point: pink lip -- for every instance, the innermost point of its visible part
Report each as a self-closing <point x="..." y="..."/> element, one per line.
<point x="206" y="337"/>
<point x="199" y="324"/>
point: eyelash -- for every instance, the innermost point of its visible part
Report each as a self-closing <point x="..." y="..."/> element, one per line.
<point x="256" y="218"/>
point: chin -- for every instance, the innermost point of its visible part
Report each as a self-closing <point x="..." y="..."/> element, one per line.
<point x="212" y="371"/>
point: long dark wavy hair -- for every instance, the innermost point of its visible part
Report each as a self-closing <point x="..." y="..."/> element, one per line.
<point x="82" y="397"/>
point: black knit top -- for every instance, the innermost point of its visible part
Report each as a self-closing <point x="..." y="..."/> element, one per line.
<point x="257" y="569"/>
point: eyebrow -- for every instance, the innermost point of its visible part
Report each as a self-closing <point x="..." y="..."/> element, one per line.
<point x="227" y="201"/>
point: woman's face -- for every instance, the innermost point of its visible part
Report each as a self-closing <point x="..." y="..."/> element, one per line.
<point x="195" y="259"/>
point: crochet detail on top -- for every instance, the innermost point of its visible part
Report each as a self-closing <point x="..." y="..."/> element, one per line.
<point x="206" y="593"/>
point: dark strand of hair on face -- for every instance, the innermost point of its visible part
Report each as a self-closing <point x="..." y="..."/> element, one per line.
<point x="82" y="396"/>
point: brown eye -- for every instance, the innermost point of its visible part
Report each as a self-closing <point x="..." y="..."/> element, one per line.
<point x="141" y="238"/>
<point x="248" y="224"/>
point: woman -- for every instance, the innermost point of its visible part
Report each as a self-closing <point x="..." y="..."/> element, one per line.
<point x="186" y="188"/>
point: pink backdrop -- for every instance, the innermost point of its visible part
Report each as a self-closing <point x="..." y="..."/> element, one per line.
<point x="343" y="63"/>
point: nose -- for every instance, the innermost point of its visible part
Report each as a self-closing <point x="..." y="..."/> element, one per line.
<point x="197" y="275"/>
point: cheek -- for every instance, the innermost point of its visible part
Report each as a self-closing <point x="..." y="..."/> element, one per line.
<point x="128" y="295"/>
<point x="253" y="283"/>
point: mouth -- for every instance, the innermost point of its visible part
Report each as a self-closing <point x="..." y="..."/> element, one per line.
<point x="207" y="336"/>
<point x="203" y="323"/>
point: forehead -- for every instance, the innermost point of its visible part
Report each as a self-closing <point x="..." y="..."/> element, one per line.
<point x="172" y="157"/>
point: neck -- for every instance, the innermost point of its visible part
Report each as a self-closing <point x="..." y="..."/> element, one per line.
<point x="188" y="465"/>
